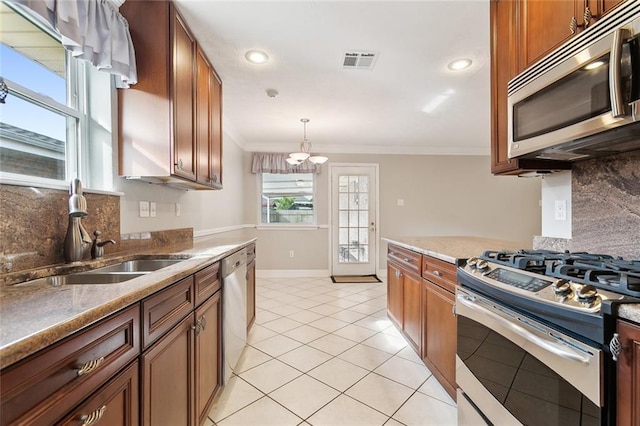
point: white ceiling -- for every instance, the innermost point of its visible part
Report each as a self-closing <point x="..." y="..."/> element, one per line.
<point x="351" y="111"/>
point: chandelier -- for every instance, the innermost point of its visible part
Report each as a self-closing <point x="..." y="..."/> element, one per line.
<point x="304" y="154"/>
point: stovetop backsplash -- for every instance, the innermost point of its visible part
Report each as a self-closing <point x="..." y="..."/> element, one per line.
<point x="605" y="201"/>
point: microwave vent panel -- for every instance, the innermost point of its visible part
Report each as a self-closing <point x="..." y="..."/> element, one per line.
<point x="359" y="60"/>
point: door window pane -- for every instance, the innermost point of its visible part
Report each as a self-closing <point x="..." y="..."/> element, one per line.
<point x="353" y="236"/>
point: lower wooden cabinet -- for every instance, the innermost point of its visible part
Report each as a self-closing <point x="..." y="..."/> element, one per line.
<point x="440" y="335"/>
<point x="115" y="404"/>
<point x="168" y="378"/>
<point x="208" y="359"/>
<point x="628" y="375"/>
<point x="420" y="300"/>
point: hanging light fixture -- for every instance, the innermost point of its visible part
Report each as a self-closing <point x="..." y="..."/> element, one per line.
<point x="304" y="154"/>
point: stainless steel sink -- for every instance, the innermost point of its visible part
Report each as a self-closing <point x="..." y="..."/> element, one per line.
<point x="141" y="265"/>
<point x="85" y="278"/>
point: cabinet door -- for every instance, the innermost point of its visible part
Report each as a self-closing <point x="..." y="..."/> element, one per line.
<point x="182" y="99"/>
<point x="546" y="25"/>
<point x="251" y="294"/>
<point x="115" y="404"/>
<point x="208" y="354"/>
<point x="168" y="379"/>
<point x="412" y="310"/>
<point x="216" y="130"/>
<point x="607" y="5"/>
<point x="394" y="294"/>
<point x="628" y="375"/>
<point x="203" y="123"/>
<point x="441" y="334"/>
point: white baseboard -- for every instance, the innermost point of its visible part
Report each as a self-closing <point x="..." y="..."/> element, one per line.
<point x="292" y="273"/>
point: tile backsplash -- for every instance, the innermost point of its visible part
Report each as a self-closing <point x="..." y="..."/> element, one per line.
<point x="606" y="205"/>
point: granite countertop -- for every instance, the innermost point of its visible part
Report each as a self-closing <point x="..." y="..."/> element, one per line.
<point x="630" y="312"/>
<point x="33" y="316"/>
<point x="452" y="249"/>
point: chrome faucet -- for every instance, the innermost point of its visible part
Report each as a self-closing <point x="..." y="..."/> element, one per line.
<point x="77" y="240"/>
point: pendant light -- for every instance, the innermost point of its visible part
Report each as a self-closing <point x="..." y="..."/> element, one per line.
<point x="304" y="154"/>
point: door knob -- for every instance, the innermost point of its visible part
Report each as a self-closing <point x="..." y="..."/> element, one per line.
<point x="372" y="227"/>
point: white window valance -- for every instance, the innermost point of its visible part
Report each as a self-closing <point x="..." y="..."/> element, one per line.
<point x="273" y="162"/>
<point x="92" y="30"/>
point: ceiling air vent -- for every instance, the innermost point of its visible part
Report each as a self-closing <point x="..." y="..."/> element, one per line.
<point x="359" y="60"/>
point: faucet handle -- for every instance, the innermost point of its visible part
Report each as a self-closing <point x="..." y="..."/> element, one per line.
<point x="97" y="248"/>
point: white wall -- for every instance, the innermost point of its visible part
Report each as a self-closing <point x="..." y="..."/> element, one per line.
<point x="201" y="210"/>
<point x="443" y="195"/>
<point x="556" y="187"/>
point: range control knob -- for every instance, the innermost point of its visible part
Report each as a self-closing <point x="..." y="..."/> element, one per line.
<point x="562" y="288"/>
<point x="482" y="265"/>
<point x="587" y="295"/>
<point x="472" y="261"/>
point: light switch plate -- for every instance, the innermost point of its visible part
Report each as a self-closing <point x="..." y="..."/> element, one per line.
<point x="400" y="202"/>
<point x="144" y="209"/>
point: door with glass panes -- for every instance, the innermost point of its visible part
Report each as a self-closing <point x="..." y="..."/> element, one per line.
<point x="354" y="193"/>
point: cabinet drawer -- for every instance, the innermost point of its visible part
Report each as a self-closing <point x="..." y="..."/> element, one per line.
<point x="48" y="384"/>
<point x="165" y="309"/>
<point x="410" y="260"/>
<point x="116" y="403"/>
<point x="207" y="282"/>
<point x="440" y="272"/>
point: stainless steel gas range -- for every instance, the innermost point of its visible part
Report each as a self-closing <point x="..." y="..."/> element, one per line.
<point x="536" y="336"/>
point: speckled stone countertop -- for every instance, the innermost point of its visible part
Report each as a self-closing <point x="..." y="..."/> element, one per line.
<point x="452" y="249"/>
<point x="33" y="316"/>
<point x="630" y="312"/>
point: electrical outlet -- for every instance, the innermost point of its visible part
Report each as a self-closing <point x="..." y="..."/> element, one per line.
<point x="152" y="209"/>
<point x="144" y="209"/>
<point x="291" y="253"/>
<point x="400" y="202"/>
<point x="178" y="209"/>
<point x="561" y="210"/>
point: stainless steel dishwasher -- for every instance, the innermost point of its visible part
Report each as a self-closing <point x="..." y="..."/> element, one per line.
<point x="234" y="310"/>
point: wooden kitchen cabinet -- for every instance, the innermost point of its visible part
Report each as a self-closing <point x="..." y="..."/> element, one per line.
<point x="505" y="65"/>
<point x="208" y="354"/>
<point x="167" y="378"/>
<point x="115" y="404"/>
<point x="440" y="334"/>
<point x="43" y="388"/>
<point x="251" y="285"/>
<point x="628" y="375"/>
<point x="404" y="290"/>
<point x="170" y="128"/>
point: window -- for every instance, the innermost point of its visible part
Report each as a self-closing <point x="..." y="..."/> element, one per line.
<point x="44" y="127"/>
<point x="287" y="199"/>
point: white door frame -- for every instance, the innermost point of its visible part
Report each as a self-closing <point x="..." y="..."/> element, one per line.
<point x="376" y="208"/>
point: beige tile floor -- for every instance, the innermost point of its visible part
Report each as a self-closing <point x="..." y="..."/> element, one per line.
<point x="325" y="354"/>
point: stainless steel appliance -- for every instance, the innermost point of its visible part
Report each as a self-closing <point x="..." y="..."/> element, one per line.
<point x="581" y="101"/>
<point x="534" y="329"/>
<point x="234" y="310"/>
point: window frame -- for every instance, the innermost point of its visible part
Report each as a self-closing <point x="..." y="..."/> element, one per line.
<point x="76" y="145"/>
<point x="285" y="226"/>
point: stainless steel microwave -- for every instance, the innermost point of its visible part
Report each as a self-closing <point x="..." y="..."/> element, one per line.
<point x="582" y="100"/>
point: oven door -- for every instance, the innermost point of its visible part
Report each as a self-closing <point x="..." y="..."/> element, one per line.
<point x="513" y="370"/>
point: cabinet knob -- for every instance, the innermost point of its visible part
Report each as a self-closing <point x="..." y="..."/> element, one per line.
<point x="573" y="26"/>
<point x="90" y="366"/>
<point x="179" y="164"/>
<point x="214" y="178"/>
<point x="398" y="274"/>
<point x="437" y="273"/>
<point x="616" y="346"/>
<point x="93" y="418"/>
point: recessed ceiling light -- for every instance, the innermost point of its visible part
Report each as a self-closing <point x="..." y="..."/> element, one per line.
<point x="460" y="64"/>
<point x="256" y="56"/>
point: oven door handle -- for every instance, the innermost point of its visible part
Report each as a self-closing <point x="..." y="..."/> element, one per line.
<point x="522" y="332"/>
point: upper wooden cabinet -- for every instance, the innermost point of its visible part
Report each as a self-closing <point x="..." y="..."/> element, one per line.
<point x="170" y="127"/>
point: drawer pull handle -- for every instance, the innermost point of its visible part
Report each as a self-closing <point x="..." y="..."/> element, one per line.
<point x="90" y="366"/>
<point x="93" y="418"/>
<point x="437" y="273"/>
<point x="406" y="259"/>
